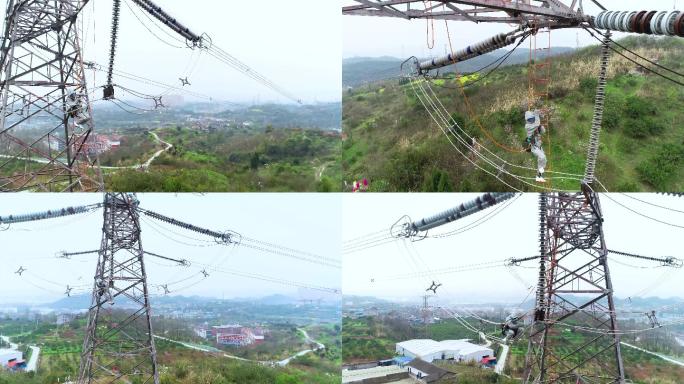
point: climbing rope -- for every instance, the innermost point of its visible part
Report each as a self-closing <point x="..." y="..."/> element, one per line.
<point x="446" y="124"/>
<point x="429" y="24"/>
<point x="539" y="81"/>
<point x="468" y="105"/>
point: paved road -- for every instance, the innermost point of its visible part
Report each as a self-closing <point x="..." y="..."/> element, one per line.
<point x="32" y="365"/>
<point x="7" y="340"/>
<point x="669" y="359"/>
<point x="309" y="340"/>
<point x="501" y="361"/>
<point x="680" y="340"/>
<point x="488" y="342"/>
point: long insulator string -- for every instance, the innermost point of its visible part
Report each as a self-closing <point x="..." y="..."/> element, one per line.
<point x="592" y="151"/>
<point x="541" y="284"/>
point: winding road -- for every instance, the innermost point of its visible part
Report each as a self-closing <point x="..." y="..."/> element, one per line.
<point x="501" y="361"/>
<point x="32" y="364"/>
<point x="281" y="363"/>
<point x="668" y="359"/>
<point x="309" y="340"/>
<point x="167" y="146"/>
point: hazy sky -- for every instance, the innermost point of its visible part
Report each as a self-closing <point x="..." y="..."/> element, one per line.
<point x="307" y="222"/>
<point x="294" y="43"/>
<point x="383" y="36"/>
<point x="511" y="233"/>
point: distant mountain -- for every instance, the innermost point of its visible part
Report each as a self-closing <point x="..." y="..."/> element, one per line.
<point x="361" y="70"/>
<point x="322" y="116"/>
<point x="277" y="300"/>
<point x="82" y="302"/>
<point x="73" y="303"/>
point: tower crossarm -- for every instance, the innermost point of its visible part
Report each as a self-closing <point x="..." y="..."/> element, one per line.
<point x="35" y="20"/>
<point x="498" y="11"/>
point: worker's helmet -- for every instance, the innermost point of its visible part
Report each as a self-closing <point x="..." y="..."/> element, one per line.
<point x="530" y="117"/>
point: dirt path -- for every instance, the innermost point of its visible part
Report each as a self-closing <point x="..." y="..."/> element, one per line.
<point x="167" y="146"/>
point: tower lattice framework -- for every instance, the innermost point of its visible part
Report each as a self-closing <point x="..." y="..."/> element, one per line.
<point x="119" y="346"/>
<point x="46" y="125"/>
<point x="574" y="338"/>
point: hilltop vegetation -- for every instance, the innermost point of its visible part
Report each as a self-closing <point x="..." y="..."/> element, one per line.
<point x="235" y="160"/>
<point x="371" y="338"/>
<point x="362" y="70"/>
<point x="61" y="349"/>
<point x="392" y="141"/>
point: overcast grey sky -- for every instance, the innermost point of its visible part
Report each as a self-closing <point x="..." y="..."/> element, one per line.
<point x="307" y="222"/>
<point x="511" y="233"/>
<point x="382" y="36"/>
<point x="294" y="43"/>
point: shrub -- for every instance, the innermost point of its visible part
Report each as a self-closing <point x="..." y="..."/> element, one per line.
<point x="587" y="86"/>
<point x="659" y="170"/>
<point x="612" y="112"/>
<point x="643" y="128"/>
<point x="438" y="181"/>
<point x="637" y="108"/>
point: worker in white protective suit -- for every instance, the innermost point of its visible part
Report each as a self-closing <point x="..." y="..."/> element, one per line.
<point x="510" y="328"/>
<point x="76" y="110"/>
<point x="533" y="142"/>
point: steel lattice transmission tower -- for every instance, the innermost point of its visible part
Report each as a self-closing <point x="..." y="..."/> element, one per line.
<point x="118" y="343"/>
<point x="46" y="124"/>
<point x="574" y="297"/>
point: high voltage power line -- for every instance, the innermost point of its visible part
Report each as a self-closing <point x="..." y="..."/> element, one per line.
<point x="121" y="275"/>
<point x="570" y="229"/>
<point x="35" y="86"/>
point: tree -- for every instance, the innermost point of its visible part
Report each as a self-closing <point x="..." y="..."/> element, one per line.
<point x="254" y="161"/>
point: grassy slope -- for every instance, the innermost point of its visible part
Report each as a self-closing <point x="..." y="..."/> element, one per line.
<point x="392" y="141"/>
<point x="274" y="160"/>
<point x="372" y="338"/>
<point x="61" y="348"/>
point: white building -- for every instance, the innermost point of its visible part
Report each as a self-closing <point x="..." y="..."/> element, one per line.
<point x="7" y="355"/>
<point x="429" y="350"/>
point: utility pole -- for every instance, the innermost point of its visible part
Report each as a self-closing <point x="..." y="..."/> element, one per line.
<point x="46" y="124"/>
<point x="574" y="297"/>
<point x="119" y="344"/>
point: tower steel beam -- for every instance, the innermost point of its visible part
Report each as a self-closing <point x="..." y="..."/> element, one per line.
<point x="46" y="120"/>
<point x="119" y="346"/>
<point x="575" y="292"/>
<point x="500" y="11"/>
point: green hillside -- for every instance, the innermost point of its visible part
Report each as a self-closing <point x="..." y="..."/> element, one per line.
<point x="391" y="140"/>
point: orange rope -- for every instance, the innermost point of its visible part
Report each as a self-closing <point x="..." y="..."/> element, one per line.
<point x="549" y="72"/>
<point x="533" y="80"/>
<point x="469" y="106"/>
<point x="430" y="21"/>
